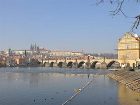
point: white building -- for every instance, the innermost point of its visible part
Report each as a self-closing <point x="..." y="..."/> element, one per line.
<point x="65" y="53"/>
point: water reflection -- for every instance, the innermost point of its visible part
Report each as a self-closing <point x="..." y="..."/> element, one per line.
<point x="34" y="79"/>
<point x="127" y="96"/>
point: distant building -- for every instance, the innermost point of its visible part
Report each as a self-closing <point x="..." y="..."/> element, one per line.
<point x="65" y="54"/>
<point x="35" y="55"/>
<point x="129" y="49"/>
<point x="21" y="52"/>
<point x="34" y="47"/>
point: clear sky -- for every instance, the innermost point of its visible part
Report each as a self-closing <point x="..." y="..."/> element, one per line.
<point x="63" y="24"/>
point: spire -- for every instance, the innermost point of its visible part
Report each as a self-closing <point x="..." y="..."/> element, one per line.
<point x="31" y="47"/>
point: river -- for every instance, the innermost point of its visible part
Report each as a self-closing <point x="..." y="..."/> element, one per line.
<point x="53" y="86"/>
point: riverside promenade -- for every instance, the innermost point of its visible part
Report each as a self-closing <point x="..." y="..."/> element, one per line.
<point x="130" y="79"/>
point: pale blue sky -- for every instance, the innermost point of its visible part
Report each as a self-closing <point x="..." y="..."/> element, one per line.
<point x="62" y="24"/>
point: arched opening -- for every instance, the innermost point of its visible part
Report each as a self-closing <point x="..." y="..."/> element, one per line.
<point x="93" y="64"/>
<point x="81" y="64"/>
<point x="51" y="64"/>
<point x="110" y="64"/>
<point x="70" y="64"/>
<point x="60" y="64"/>
<point x="113" y="64"/>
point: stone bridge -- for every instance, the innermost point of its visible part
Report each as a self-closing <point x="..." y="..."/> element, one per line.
<point x="82" y="63"/>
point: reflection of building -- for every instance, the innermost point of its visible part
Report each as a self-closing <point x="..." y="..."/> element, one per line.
<point x="127" y="96"/>
<point x="128" y="49"/>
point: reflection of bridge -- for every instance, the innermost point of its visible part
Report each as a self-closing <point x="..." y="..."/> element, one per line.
<point x="81" y="63"/>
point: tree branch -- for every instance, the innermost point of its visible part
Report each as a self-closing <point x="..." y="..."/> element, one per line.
<point x="119" y="9"/>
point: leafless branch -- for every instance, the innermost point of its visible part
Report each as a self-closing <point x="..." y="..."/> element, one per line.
<point x="119" y="9"/>
<point x="136" y="23"/>
<point x="99" y="2"/>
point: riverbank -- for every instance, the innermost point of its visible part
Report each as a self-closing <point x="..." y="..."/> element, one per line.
<point x="130" y="79"/>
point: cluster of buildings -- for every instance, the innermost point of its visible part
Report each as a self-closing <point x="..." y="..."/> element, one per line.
<point x="128" y="54"/>
<point x="34" y="56"/>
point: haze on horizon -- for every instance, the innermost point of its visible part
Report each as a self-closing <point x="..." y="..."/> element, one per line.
<point x="74" y="25"/>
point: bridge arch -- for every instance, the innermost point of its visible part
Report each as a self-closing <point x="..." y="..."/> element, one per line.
<point x="60" y="64"/>
<point x="93" y="64"/>
<point x="44" y="64"/>
<point x="51" y="64"/>
<point x="70" y="64"/>
<point x="113" y="64"/>
<point x="87" y="65"/>
<point x="81" y="64"/>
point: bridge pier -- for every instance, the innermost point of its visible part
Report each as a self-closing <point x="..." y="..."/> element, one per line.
<point x="70" y="64"/>
<point x="75" y="65"/>
<point x="62" y="64"/>
<point x="46" y="64"/>
<point x="88" y="65"/>
<point x="55" y="64"/>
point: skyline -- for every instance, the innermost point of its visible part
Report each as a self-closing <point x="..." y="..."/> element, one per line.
<point x="62" y="25"/>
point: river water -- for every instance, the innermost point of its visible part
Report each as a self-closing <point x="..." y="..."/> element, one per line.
<point x="53" y="86"/>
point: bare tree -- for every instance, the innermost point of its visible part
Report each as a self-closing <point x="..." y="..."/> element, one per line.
<point x="119" y="9"/>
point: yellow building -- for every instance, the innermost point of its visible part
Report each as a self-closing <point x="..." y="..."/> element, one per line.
<point x="129" y="49"/>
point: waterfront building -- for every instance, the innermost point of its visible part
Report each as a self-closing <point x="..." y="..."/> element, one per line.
<point x="129" y="50"/>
